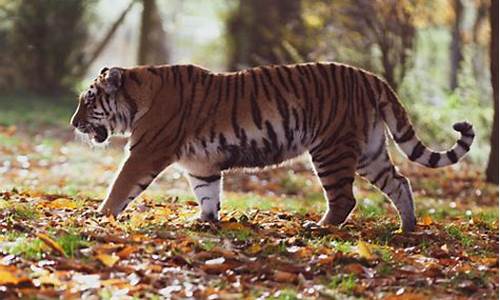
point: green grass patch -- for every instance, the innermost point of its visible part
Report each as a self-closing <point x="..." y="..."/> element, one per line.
<point x="489" y="218"/>
<point x="21" y="211"/>
<point x="29" y="248"/>
<point x="208" y="244"/>
<point x="71" y="242"/>
<point x="343" y="283"/>
<point x="372" y="207"/>
<point x="33" y="111"/>
<point x="342" y="246"/>
<point x="242" y="234"/>
<point x="245" y="201"/>
<point x="285" y="294"/>
<point x="456" y="233"/>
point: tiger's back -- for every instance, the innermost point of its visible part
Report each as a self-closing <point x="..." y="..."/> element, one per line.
<point x="264" y="116"/>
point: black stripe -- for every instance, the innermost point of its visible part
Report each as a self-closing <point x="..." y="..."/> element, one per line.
<point x="434" y="159"/>
<point x="324" y="74"/>
<point x="134" y="78"/>
<point x="333" y="171"/>
<point x="234" y="112"/>
<point x="381" y="173"/>
<point x="292" y="83"/>
<point x="272" y="135"/>
<point x="190" y="72"/>
<point x="452" y="156"/>
<point x="255" y="82"/>
<point x="209" y="179"/>
<point x="384" y="184"/>
<point x="340" y="183"/>
<point x="143" y="186"/>
<point x="153" y="70"/>
<point x="408" y="135"/>
<point x="367" y="160"/>
<point x="464" y="145"/>
<point x="256" y="115"/>
<point x="338" y="158"/>
<point x="137" y="143"/>
<point x="370" y="91"/>
<point x="242" y="85"/>
<point x="281" y="79"/>
<point x="266" y="91"/>
<point x="418" y="150"/>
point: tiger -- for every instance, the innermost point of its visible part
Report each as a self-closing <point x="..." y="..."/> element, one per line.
<point x="208" y="123"/>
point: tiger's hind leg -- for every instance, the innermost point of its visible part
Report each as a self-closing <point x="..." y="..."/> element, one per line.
<point x="207" y="190"/>
<point x="335" y="168"/>
<point x="376" y="166"/>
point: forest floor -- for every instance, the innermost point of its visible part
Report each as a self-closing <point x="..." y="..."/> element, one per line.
<point x="267" y="245"/>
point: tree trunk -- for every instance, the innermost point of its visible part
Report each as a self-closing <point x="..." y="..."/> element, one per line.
<point x="492" y="170"/>
<point x="152" y="43"/>
<point x="456" y="44"/>
<point x="266" y="32"/>
<point x="80" y="71"/>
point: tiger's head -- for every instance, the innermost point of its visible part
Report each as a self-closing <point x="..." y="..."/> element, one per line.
<point x="102" y="110"/>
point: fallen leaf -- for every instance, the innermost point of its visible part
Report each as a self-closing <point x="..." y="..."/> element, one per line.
<point x="47" y="279"/>
<point x="215" y="268"/>
<point x="7" y="277"/>
<point x="407" y="296"/>
<point x="426" y="220"/>
<point x="10" y="275"/>
<point x="254" y="249"/>
<point x="364" y="250"/>
<point x="233" y="226"/>
<point x="354" y="268"/>
<point x="108" y="260"/>
<point x="215" y="261"/>
<point x="51" y="243"/>
<point x="282" y="276"/>
<point x="125" y="252"/>
<point x="62" y="203"/>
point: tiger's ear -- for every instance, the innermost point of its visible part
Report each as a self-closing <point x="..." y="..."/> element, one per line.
<point x="103" y="70"/>
<point x="112" y="80"/>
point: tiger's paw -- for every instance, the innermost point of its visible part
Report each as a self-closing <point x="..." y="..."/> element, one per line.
<point x="209" y="217"/>
<point x="330" y="219"/>
<point x="336" y="218"/>
<point x="408" y="225"/>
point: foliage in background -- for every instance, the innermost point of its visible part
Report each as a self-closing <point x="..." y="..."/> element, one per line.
<point x="45" y="44"/>
<point x="267" y="32"/>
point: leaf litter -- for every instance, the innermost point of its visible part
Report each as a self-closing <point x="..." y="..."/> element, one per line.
<point x="53" y="244"/>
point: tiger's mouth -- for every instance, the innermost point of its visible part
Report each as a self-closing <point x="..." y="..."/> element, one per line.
<point x="98" y="133"/>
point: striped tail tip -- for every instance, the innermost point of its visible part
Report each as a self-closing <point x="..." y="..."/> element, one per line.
<point x="464" y="128"/>
<point x="421" y="154"/>
<point x="461" y="147"/>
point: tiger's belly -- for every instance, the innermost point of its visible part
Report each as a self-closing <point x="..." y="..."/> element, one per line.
<point x="252" y="152"/>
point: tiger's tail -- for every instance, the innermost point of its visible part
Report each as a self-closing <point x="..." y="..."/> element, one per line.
<point x="403" y="133"/>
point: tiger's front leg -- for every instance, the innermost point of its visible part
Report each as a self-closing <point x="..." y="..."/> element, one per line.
<point x="136" y="174"/>
<point x="207" y="190"/>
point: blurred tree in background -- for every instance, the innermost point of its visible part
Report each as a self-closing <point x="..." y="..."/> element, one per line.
<point x="492" y="170"/>
<point x="152" y="45"/>
<point x="45" y="44"/>
<point x="267" y="32"/>
<point x="456" y="46"/>
<point x="43" y="56"/>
